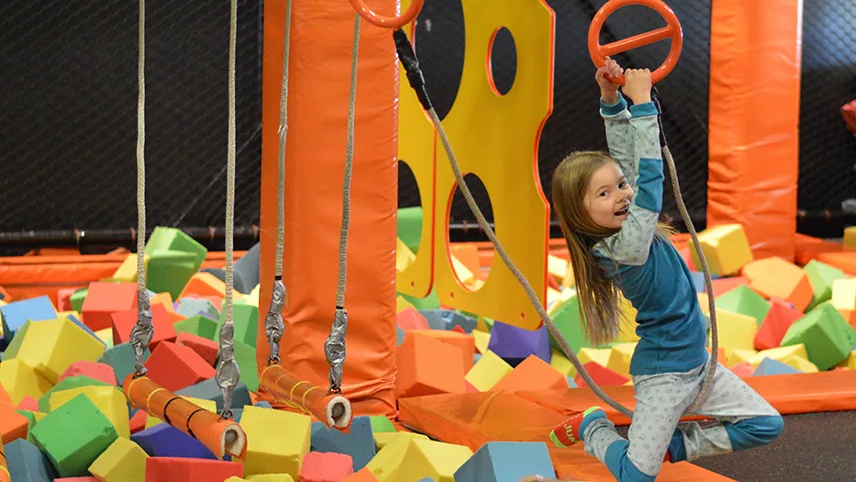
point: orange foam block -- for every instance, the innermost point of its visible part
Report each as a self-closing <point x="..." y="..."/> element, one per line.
<point x="176" y="366"/>
<point x="363" y="475"/>
<point x="532" y="373"/>
<point x="104" y="299"/>
<point x="427" y="366"/>
<point x="326" y="467"/>
<point x="457" y="338"/>
<point x="602" y="376"/>
<point x="743" y="369"/>
<point x="172" y="469"/>
<point x="724" y="285"/>
<point x="98" y="371"/>
<point x="204" y="284"/>
<point x="13" y="425"/>
<point x="124" y="321"/>
<point x="205" y="348"/>
<point x="778" y="277"/>
<point x="468" y="255"/>
<point x="410" y="319"/>
<point x="774" y="326"/>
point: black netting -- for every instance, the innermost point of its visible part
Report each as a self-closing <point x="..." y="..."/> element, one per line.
<point x="69" y="122"/>
<point x="575" y="123"/>
<point x="827" y="148"/>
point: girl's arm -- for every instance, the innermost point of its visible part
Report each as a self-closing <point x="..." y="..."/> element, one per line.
<point x="619" y="135"/>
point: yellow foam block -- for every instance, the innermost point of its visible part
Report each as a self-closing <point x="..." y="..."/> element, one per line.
<point x="386" y="463"/>
<point x="488" y="371"/>
<point x="481" y="340"/>
<point x="19" y="379"/>
<point x="401" y="304"/>
<point x="569" y="280"/>
<point x="725" y="247"/>
<point x="850" y="236"/>
<point x="105" y="335"/>
<point x="850" y="361"/>
<point x="739" y="356"/>
<point x="561" y="363"/>
<point x="277" y="450"/>
<point x="844" y="294"/>
<point x="253" y="297"/>
<point x="382" y="439"/>
<point x="465" y="276"/>
<point x="801" y="364"/>
<point x="50" y="346"/>
<point x="627" y="329"/>
<point x="597" y="355"/>
<point x="704" y="303"/>
<point x="404" y="257"/>
<point x="557" y="266"/>
<point x="553" y="295"/>
<point x="437" y="460"/>
<point x="209" y="405"/>
<point x="481" y="325"/>
<point x="109" y="400"/>
<point x="736" y="331"/>
<point x="781" y="354"/>
<point x="165" y="299"/>
<point x="127" y="271"/>
<point x="270" y="478"/>
<point x="123" y="461"/>
<point x="619" y="358"/>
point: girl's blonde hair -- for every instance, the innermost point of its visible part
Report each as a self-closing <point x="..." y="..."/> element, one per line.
<point x="599" y="296"/>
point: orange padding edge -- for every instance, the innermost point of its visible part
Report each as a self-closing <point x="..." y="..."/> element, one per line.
<point x="201" y="424"/>
<point x="300" y="395"/>
<point x="5" y="476"/>
<point x="476" y="418"/>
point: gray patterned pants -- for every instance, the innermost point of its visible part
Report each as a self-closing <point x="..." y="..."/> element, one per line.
<point x="743" y="420"/>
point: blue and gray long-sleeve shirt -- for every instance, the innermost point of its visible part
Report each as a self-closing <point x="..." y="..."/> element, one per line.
<point x="650" y="271"/>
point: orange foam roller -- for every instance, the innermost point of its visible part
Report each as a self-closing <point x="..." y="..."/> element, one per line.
<point x="217" y="434"/>
<point x="334" y="411"/>
<point x="4" y="469"/>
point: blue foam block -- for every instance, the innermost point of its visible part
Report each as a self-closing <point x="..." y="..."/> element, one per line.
<point x="514" y="344"/>
<point x="264" y="404"/>
<point x="399" y="335"/>
<point x="768" y="366"/>
<point x="85" y="328"/>
<point x="27" y="463"/>
<point x="571" y="383"/>
<point x="447" y="319"/>
<point x="209" y="390"/>
<point x="507" y="462"/>
<point x="164" y="440"/>
<point x="197" y="306"/>
<point x="476" y="357"/>
<point x="16" y="313"/>
<point x="121" y="358"/>
<point x="359" y="444"/>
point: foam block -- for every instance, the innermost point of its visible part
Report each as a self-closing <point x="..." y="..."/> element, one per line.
<point x="110" y="401"/>
<point x="68" y="384"/>
<point x="209" y="390"/>
<point x="775" y="276"/>
<point x="325" y="467"/>
<point x="448" y="319"/>
<point x="561" y="364"/>
<point x="459" y="340"/>
<point x="437" y="460"/>
<point x="381" y="424"/>
<point x="91" y="369"/>
<point x="175" y="366"/>
<point x="532" y="374"/>
<point x="123" y="461"/>
<point x="124" y="321"/>
<point x="77" y="298"/>
<point x="514" y="344"/>
<point x="382" y="439"/>
<point x="768" y="366"/>
<point x="50" y="346"/>
<point x="736" y="331"/>
<point x="488" y="371"/>
<point x="205" y="348"/>
<point x="204" y="284"/>
<point x="826" y="335"/>
<point x="427" y="366"/>
<point x="169" y="271"/>
<point x="190" y="306"/>
<point x="77" y="479"/>
<point x="725" y="248"/>
<point x="245" y="318"/>
<point x="121" y="358"/>
<point x="74" y="317"/>
<point x="404" y="257"/>
<point x="779" y="319"/>
<point x="386" y="465"/>
<point x="743" y="300"/>
<point x="507" y="462"/>
<point x="281" y="450"/>
<point x="844" y="294"/>
<point x="619" y="358"/>
<point x="16" y="313"/>
<point x="172" y="469"/>
<point x="164" y="440"/>
<point x="246" y="357"/>
<point x="26" y="463"/>
<point x="821" y="276"/>
<point x="74" y="435"/>
<point x="602" y="376"/>
<point x="21" y="380"/>
<point x="566" y="317"/>
<point x="104" y="299"/>
<point x="743" y="369"/>
<point x="410" y="319"/>
<point x="28" y="403"/>
<point x="358" y="445"/>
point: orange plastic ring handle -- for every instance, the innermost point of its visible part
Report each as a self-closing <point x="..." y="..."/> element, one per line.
<point x="388" y="22"/>
<point x="672" y="30"/>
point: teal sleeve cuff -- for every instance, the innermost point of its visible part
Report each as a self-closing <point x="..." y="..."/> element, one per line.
<point x="643" y="110"/>
<point x="613" y="109"/>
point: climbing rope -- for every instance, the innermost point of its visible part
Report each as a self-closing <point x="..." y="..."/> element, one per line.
<point x="409" y="61"/>
<point x="141" y="334"/>
<point x="228" y="374"/>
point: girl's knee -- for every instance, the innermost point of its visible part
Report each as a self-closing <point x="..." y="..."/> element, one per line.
<point x="754" y="432"/>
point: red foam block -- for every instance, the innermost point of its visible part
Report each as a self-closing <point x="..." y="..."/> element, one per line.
<point x="326" y="467"/>
<point x="602" y="376"/>
<point x="104" y="299"/>
<point x="410" y="319"/>
<point x="780" y="317"/>
<point x="204" y="347"/>
<point x="91" y="369"/>
<point x="176" y="366"/>
<point x="28" y="403"/>
<point x="172" y="469"/>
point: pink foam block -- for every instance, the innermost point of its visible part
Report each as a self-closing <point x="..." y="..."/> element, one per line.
<point x="204" y="347"/>
<point x="28" y="403"/>
<point x="326" y="467"/>
<point x="176" y="366"/>
<point x="410" y="319"/>
<point x="91" y="369"/>
<point x="173" y="469"/>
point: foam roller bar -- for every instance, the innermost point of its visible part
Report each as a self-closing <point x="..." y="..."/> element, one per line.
<point x="207" y="427"/>
<point x="334" y="411"/>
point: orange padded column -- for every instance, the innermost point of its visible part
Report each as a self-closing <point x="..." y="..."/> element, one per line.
<point x="320" y="73"/>
<point x="755" y="51"/>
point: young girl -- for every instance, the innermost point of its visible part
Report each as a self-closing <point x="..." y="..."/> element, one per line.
<point x="608" y="207"/>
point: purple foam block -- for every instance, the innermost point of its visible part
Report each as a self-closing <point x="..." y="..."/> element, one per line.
<point x="514" y="344"/>
<point x="164" y="440"/>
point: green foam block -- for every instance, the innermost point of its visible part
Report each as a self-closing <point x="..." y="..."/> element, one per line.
<point x="381" y="424"/>
<point x="410" y="227"/>
<point x="246" y="318"/>
<point x="67" y="384"/>
<point x="821" y="276"/>
<point x="245" y="355"/>
<point x="173" y="239"/>
<point x="430" y="302"/>
<point x="77" y="299"/>
<point x="169" y="271"/>
<point x="566" y="317"/>
<point x="744" y="301"/>
<point x="825" y="333"/>
<point x="74" y="435"/>
<point x="198" y="325"/>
